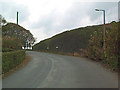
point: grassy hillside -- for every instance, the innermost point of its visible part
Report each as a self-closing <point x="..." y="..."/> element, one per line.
<point x="69" y="41"/>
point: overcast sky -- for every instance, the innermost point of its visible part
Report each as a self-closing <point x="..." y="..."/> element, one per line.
<point x="45" y="18"/>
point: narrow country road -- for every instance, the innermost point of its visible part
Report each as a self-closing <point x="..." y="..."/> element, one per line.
<point x="57" y="71"/>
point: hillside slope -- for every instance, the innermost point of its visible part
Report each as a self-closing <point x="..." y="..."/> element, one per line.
<point x="69" y="41"/>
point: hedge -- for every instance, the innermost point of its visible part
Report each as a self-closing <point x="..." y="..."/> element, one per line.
<point x="6" y="50"/>
<point x="12" y="59"/>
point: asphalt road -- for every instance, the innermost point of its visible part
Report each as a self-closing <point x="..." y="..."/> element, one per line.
<point x="58" y="71"/>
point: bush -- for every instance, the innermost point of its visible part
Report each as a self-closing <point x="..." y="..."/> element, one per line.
<point x="11" y="43"/>
<point x="111" y="51"/>
<point x="110" y="54"/>
<point x="6" y="50"/>
<point x="12" y="59"/>
<point x="95" y="47"/>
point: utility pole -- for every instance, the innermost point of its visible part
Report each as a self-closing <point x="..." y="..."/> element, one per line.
<point x="104" y="29"/>
<point x="17" y="17"/>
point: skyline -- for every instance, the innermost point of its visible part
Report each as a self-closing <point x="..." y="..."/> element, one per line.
<point x="52" y="17"/>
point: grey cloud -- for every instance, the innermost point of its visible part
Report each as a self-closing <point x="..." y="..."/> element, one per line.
<point x="47" y="22"/>
<point x="119" y="10"/>
<point x="8" y="10"/>
<point x="72" y="17"/>
<point x="102" y="5"/>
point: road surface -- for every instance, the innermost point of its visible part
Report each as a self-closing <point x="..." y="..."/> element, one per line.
<point x="57" y="71"/>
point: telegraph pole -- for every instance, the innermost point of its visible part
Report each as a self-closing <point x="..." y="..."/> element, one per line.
<point x="17" y="17"/>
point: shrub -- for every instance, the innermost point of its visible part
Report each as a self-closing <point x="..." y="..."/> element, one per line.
<point x="11" y="43"/>
<point x="110" y="54"/>
<point x="12" y="59"/>
<point x="6" y="50"/>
